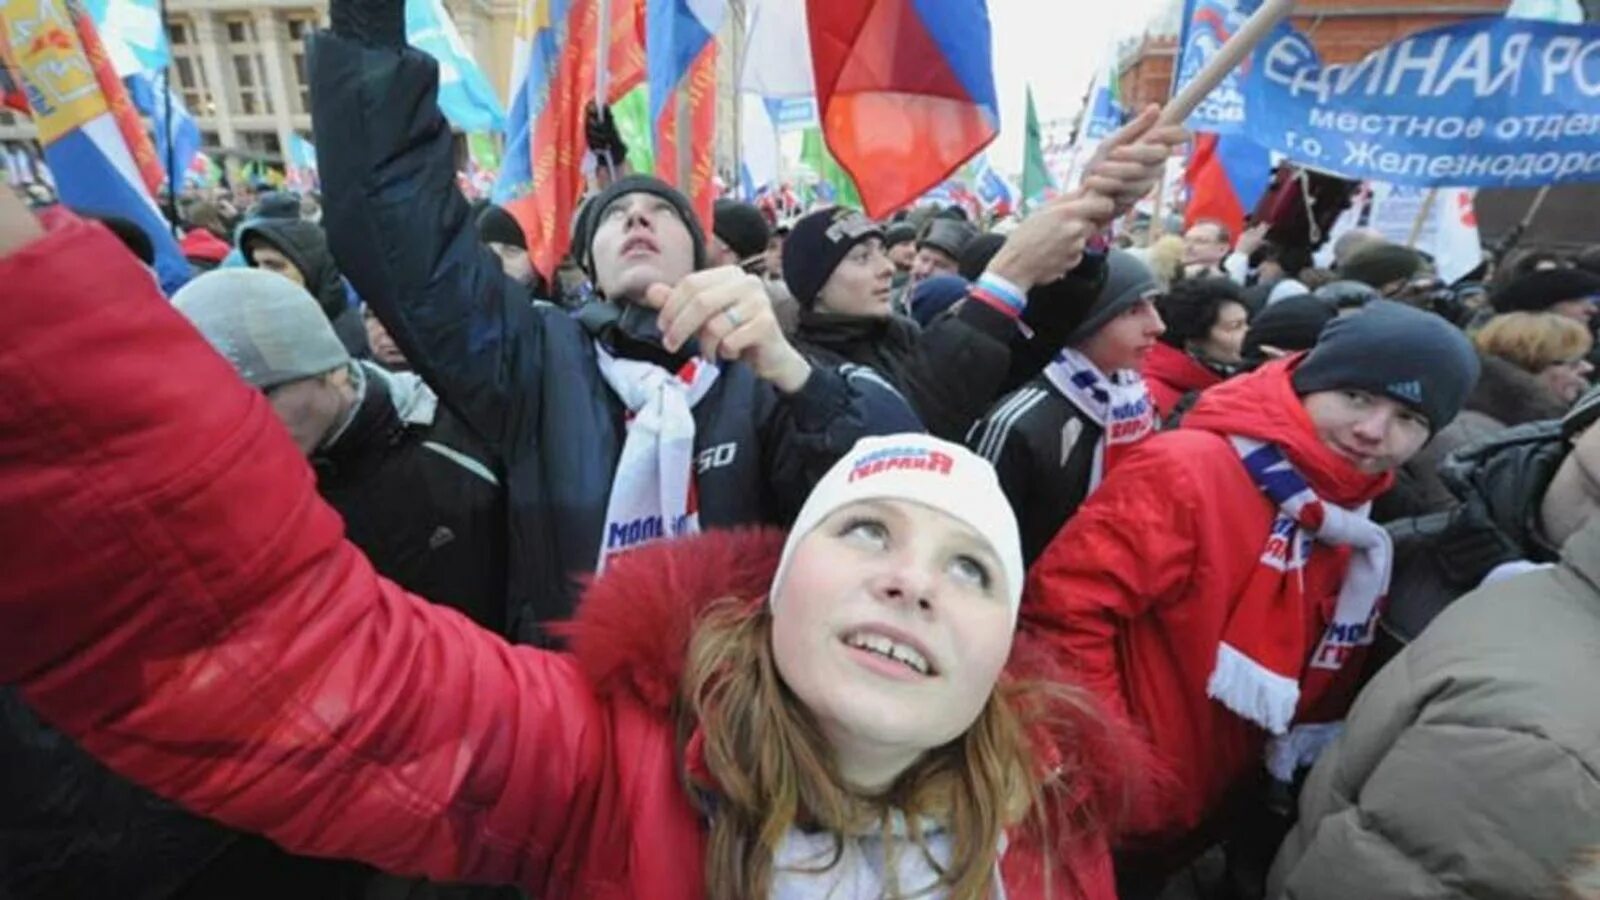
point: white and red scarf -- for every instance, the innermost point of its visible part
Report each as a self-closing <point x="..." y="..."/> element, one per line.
<point x="1262" y="662"/>
<point x="653" y="492"/>
<point x="1119" y="404"/>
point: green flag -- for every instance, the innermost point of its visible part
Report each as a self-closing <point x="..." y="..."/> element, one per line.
<point x="1035" y="177"/>
<point x="483" y="151"/>
<point x="814" y="153"/>
<point x="632" y="114"/>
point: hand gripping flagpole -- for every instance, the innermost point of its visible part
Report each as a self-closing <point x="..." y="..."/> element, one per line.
<point x="1254" y="30"/>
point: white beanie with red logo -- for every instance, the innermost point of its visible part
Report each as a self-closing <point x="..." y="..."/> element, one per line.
<point x="921" y="469"/>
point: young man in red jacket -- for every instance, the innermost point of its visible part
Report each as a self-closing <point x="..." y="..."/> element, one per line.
<point x="1221" y="586"/>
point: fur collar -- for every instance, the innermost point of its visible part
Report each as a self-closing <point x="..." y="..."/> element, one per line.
<point x="632" y="629"/>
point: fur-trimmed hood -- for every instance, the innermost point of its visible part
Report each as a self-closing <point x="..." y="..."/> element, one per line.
<point x="632" y="630"/>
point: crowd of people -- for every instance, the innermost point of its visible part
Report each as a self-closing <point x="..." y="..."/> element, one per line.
<point x="827" y="557"/>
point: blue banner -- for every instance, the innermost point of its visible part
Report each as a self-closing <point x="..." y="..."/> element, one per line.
<point x="1207" y="25"/>
<point x="1488" y="103"/>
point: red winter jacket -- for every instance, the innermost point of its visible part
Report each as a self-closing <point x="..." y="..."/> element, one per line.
<point x="1138" y="586"/>
<point x="201" y="244"/>
<point x="1170" y="373"/>
<point x="178" y="598"/>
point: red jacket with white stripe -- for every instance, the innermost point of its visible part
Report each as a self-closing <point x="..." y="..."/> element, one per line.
<point x="178" y="598"/>
<point x="1136" y="590"/>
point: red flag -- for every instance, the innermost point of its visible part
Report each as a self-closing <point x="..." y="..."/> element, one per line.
<point x="905" y="90"/>
<point x="701" y="125"/>
<point x="549" y="179"/>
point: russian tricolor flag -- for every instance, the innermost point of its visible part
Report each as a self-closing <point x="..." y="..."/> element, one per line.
<point x="905" y="89"/>
<point x="93" y="141"/>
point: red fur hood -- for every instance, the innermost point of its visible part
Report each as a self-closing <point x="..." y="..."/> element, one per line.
<point x="631" y="631"/>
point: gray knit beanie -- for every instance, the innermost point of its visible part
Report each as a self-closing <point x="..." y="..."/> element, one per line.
<point x="1128" y="280"/>
<point x="268" y="327"/>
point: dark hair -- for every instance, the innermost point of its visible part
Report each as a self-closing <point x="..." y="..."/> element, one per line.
<point x="1521" y="261"/>
<point x="1190" y="308"/>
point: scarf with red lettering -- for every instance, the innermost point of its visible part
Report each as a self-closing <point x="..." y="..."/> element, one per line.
<point x="1262" y="662"/>
<point x="652" y="493"/>
<point x="1120" y="405"/>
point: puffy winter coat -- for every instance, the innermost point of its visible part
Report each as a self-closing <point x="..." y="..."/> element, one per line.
<point x="524" y="376"/>
<point x="425" y="504"/>
<point x="1470" y="767"/>
<point x="1171" y="373"/>
<point x="179" y="600"/>
<point x="1138" y="587"/>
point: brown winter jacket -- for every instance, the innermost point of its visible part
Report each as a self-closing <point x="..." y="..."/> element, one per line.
<point x="1470" y="766"/>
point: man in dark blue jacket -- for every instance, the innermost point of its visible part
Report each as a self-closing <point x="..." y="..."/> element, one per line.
<point x="725" y="423"/>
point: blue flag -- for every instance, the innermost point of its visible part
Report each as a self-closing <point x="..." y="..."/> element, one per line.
<point x="465" y="97"/>
<point x="150" y="95"/>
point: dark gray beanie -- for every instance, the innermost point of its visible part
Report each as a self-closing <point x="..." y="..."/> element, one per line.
<point x="1395" y="351"/>
<point x="948" y="236"/>
<point x="1128" y="280"/>
<point x="594" y="211"/>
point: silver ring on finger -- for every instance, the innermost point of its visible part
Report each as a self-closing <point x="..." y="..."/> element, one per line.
<point x="733" y="317"/>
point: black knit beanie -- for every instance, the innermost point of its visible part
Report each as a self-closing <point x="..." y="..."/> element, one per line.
<point x="817" y="244"/>
<point x="594" y="212"/>
<point x="1291" y="324"/>
<point x="741" y="226"/>
<point x="1395" y="351"/>
<point x="1381" y="264"/>
<point x="976" y="256"/>
<point x="496" y="226"/>
<point x="1540" y="290"/>
<point x="899" y="233"/>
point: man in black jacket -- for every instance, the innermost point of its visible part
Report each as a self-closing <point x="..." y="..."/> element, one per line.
<point x="1522" y="493"/>
<point x="530" y="381"/>
<point x="418" y="494"/>
<point x="1053" y="439"/>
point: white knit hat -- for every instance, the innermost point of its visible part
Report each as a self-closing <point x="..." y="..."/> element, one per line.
<point x="268" y="327"/>
<point x="922" y="469"/>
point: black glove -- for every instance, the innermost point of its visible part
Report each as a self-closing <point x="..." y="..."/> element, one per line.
<point x="376" y="23"/>
<point x="600" y="128"/>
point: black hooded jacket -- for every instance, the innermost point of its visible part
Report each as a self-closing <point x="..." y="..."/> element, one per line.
<point x="306" y="245"/>
<point x="1500" y="483"/>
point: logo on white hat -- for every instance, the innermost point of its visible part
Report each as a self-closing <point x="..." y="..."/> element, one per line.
<point x="901" y="458"/>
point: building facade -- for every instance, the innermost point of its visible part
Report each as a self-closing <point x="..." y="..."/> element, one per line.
<point x="240" y="67"/>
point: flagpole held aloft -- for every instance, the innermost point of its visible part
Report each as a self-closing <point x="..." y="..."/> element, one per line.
<point x="602" y="78"/>
<point x="1254" y="30"/>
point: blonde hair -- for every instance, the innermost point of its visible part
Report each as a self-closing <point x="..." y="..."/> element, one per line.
<point x="769" y="768"/>
<point x="1166" y="259"/>
<point x="1533" y="340"/>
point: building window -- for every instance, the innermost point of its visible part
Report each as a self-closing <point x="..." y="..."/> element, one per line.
<point x="301" y="83"/>
<point x="250" y="94"/>
<point x="210" y="139"/>
<point x="262" y="143"/>
<point x="188" y="74"/>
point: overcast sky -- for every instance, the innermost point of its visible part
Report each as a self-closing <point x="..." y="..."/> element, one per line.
<point x="1054" y="45"/>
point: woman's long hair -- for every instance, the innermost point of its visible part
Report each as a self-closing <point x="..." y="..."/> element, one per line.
<point x="768" y="768"/>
